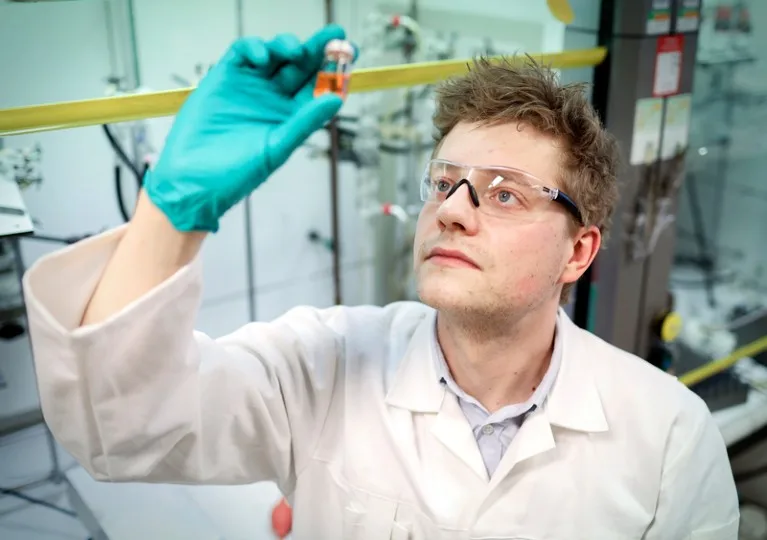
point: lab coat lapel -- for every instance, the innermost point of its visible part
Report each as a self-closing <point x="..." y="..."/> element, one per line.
<point x="453" y="430"/>
<point x="573" y="403"/>
<point x="416" y="387"/>
<point x="534" y="437"/>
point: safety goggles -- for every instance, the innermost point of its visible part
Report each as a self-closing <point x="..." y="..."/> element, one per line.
<point x="496" y="191"/>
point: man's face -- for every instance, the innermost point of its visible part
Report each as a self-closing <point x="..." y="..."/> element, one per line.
<point x="518" y="264"/>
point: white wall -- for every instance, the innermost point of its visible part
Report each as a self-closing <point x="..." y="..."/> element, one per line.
<point x="61" y="52"/>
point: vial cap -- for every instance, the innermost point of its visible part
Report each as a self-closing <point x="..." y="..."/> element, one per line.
<point x="339" y="47"/>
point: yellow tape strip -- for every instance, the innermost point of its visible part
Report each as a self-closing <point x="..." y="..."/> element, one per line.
<point x="111" y="110"/>
<point x="717" y="366"/>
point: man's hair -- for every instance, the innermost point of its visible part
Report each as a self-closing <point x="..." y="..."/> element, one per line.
<point x="513" y="90"/>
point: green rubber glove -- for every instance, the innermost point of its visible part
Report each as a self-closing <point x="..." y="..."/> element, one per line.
<point x="248" y="115"/>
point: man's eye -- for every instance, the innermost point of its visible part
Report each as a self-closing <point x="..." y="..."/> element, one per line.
<point x="506" y="197"/>
<point x="443" y="185"/>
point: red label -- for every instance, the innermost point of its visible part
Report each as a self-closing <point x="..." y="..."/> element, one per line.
<point x="668" y="66"/>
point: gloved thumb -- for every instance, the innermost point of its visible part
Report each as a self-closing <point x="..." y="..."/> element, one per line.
<point x="299" y="127"/>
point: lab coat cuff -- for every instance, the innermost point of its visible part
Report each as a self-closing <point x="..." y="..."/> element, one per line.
<point x="59" y="286"/>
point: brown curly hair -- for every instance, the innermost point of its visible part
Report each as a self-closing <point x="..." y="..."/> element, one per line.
<point x="521" y="90"/>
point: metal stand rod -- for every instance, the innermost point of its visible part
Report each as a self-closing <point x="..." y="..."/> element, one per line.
<point x="250" y="265"/>
<point x="335" y="228"/>
<point x="55" y="474"/>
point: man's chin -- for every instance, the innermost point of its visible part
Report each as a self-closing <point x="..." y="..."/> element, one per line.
<point x="443" y="293"/>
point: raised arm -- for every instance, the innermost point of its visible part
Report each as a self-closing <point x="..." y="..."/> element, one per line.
<point x="126" y="384"/>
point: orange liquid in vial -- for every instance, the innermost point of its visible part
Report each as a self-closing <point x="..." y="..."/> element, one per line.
<point x="336" y="83"/>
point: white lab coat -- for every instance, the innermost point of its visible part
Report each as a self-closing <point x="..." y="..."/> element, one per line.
<point x="342" y="408"/>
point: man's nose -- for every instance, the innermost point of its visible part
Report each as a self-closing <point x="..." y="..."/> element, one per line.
<point x="472" y="192"/>
<point x="459" y="209"/>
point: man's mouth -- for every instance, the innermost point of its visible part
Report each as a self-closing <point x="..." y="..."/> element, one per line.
<point x="451" y="257"/>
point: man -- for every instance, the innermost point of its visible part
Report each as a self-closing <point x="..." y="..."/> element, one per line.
<point x="482" y="413"/>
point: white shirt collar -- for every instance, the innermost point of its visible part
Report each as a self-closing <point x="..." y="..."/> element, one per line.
<point x="509" y="411"/>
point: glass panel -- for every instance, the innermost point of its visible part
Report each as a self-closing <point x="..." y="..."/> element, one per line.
<point x="719" y="279"/>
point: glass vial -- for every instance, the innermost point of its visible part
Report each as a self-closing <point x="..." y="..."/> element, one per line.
<point x="336" y="69"/>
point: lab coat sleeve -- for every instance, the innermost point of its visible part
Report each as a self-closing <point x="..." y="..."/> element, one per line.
<point x="698" y="499"/>
<point x="142" y="397"/>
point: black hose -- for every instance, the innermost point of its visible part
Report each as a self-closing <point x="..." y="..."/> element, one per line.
<point x="119" y="193"/>
<point x="121" y="153"/>
<point x="139" y="175"/>
<point x="143" y="175"/>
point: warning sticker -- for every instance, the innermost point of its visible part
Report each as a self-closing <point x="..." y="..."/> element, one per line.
<point x="668" y="66"/>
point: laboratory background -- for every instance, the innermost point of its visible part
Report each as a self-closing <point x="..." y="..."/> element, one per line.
<point x="683" y="282"/>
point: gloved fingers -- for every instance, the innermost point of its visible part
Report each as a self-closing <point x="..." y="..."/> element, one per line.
<point x="291" y="78"/>
<point x="284" y="58"/>
<point x="306" y="92"/>
<point x="314" y="47"/>
<point x="284" y="50"/>
<point x="307" y="119"/>
<point x="264" y="57"/>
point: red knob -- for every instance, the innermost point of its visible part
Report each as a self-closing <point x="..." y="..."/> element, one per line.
<point x="282" y="519"/>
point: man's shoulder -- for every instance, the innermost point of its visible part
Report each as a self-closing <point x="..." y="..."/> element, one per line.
<point x="368" y="324"/>
<point x="395" y="317"/>
<point x="638" y="389"/>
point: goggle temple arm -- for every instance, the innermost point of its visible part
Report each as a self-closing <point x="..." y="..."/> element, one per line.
<point x="568" y="203"/>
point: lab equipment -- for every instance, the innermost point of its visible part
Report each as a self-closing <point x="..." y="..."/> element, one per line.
<point x="336" y="69"/>
<point x="20" y="168"/>
<point x="216" y="155"/>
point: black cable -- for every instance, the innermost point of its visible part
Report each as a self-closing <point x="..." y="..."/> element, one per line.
<point x="139" y="175"/>
<point x="121" y="153"/>
<point x="119" y="193"/>
<point x="39" y="502"/>
<point x="143" y="175"/>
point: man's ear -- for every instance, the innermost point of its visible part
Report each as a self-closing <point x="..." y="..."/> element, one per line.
<point x="586" y="245"/>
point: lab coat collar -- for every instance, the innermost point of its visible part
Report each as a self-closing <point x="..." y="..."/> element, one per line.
<point x="573" y="402"/>
<point x="416" y="386"/>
